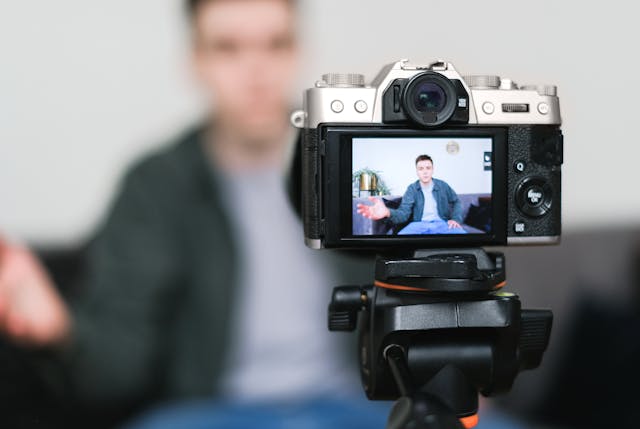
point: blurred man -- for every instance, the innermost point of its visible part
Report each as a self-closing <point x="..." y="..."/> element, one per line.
<point x="198" y="283"/>
<point x="431" y="204"/>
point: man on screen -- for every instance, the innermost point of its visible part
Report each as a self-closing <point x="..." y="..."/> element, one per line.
<point x="431" y="204"/>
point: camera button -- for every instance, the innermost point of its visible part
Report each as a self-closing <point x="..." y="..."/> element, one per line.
<point x="519" y="227"/>
<point x="488" y="108"/>
<point x="337" y="106"/>
<point x="543" y="108"/>
<point x="520" y="166"/>
<point x="361" y="106"/>
<point x="534" y="197"/>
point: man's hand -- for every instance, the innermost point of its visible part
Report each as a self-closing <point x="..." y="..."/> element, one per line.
<point x="31" y="310"/>
<point x="376" y="211"/>
<point x="453" y="224"/>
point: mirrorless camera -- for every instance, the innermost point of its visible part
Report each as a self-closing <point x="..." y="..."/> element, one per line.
<point x="494" y="150"/>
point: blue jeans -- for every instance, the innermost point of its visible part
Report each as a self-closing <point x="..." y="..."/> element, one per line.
<point x="430" y="228"/>
<point x="310" y="414"/>
<point x="353" y="413"/>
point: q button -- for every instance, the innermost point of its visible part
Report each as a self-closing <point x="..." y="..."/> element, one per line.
<point x="520" y="166"/>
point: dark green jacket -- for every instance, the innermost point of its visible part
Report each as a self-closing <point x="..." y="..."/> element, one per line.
<point x="412" y="205"/>
<point x="153" y="320"/>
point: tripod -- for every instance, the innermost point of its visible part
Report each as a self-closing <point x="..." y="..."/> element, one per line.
<point x="435" y="330"/>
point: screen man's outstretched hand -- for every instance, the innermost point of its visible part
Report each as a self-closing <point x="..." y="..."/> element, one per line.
<point x="376" y="211"/>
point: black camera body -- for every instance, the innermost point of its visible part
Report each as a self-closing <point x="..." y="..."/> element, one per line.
<point x="495" y="151"/>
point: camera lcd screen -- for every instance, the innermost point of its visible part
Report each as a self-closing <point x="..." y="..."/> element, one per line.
<point x="422" y="186"/>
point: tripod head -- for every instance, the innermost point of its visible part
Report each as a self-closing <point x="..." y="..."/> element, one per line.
<point x="435" y="330"/>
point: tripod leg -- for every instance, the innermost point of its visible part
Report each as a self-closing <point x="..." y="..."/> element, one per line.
<point x="415" y="410"/>
<point x="421" y="411"/>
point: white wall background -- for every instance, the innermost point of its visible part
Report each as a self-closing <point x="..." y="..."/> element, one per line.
<point x="395" y="160"/>
<point x="86" y="86"/>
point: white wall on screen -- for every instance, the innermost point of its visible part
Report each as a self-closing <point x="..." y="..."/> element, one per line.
<point x="394" y="159"/>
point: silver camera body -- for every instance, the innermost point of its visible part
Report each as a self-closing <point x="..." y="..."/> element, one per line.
<point x="345" y="98"/>
<point x="405" y="99"/>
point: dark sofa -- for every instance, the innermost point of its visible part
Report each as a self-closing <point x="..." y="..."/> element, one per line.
<point x="475" y="213"/>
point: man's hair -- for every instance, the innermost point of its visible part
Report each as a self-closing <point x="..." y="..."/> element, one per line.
<point x="423" y="158"/>
<point x="193" y="5"/>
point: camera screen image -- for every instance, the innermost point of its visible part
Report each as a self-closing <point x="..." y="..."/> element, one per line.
<point x="420" y="186"/>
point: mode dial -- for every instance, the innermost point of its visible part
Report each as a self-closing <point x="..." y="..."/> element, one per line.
<point x="343" y="80"/>
<point x="483" y="81"/>
<point x="549" y="90"/>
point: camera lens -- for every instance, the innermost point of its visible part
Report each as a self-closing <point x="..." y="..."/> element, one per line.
<point x="429" y="99"/>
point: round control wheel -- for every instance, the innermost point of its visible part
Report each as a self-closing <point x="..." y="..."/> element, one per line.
<point x="344" y="80"/>
<point x="534" y="196"/>
<point x="483" y="81"/>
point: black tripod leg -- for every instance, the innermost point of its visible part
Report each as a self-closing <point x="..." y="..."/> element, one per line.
<point x="415" y="410"/>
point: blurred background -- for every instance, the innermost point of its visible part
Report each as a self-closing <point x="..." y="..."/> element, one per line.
<point x="88" y="87"/>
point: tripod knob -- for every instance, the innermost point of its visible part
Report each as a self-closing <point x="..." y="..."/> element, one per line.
<point x="534" y="336"/>
<point x="343" y="321"/>
<point x="346" y="302"/>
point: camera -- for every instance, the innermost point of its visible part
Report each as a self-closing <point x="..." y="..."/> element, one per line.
<point x="422" y="158"/>
<point x="427" y="167"/>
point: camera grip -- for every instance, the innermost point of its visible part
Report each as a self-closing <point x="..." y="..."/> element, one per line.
<point x="311" y="177"/>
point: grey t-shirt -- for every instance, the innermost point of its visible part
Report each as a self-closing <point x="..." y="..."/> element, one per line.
<point x="430" y="211"/>
<point x="281" y="349"/>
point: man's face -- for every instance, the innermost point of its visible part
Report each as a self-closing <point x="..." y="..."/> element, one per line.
<point x="245" y="58"/>
<point x="425" y="171"/>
